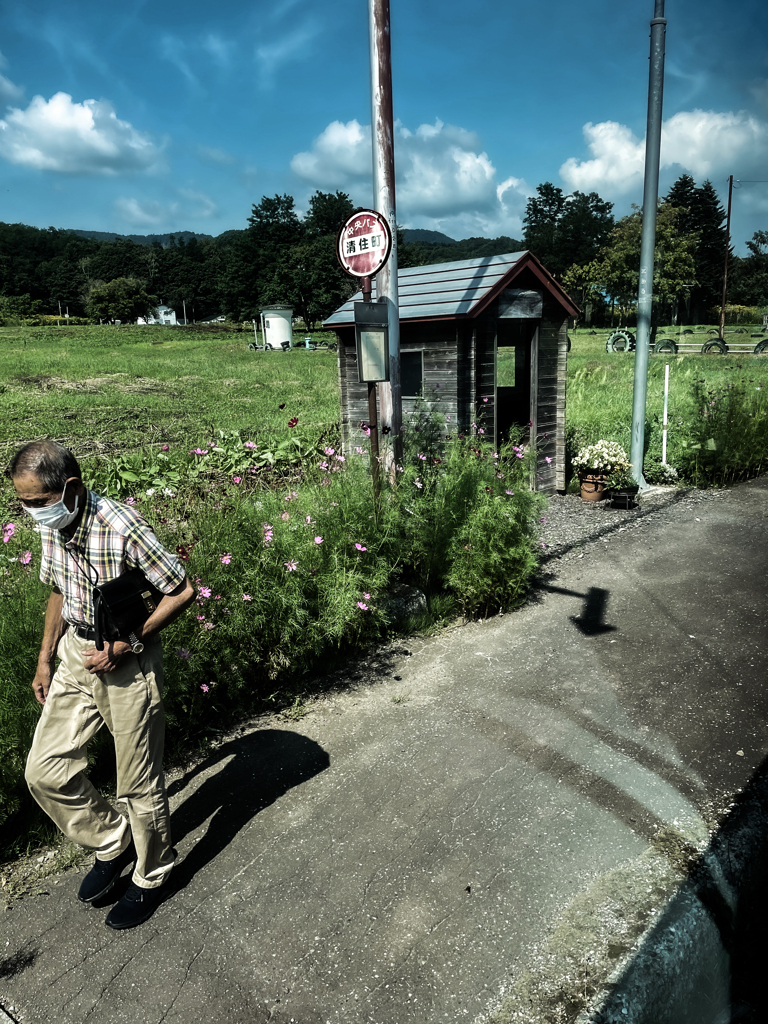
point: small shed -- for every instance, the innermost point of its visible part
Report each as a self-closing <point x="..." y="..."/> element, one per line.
<point x="488" y="335"/>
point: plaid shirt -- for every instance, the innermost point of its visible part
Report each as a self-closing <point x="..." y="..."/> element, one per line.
<point x="110" y="538"/>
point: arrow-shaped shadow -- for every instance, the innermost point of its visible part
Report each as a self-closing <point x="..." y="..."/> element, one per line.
<point x="590" y="622"/>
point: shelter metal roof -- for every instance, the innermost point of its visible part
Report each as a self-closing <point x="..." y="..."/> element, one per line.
<point x="459" y="289"/>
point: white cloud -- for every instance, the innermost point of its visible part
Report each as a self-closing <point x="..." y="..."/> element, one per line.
<point x="444" y="179"/>
<point x="340" y="155"/>
<point x="74" y="138"/>
<point x="9" y="92"/>
<point x="215" y="156"/>
<point x="197" y="204"/>
<point x="220" y="49"/>
<point x="146" y="214"/>
<point x="271" y="56"/>
<point x="150" y="213"/>
<point x="703" y="142"/>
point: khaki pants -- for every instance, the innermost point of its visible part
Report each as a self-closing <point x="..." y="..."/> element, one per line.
<point x="129" y="703"/>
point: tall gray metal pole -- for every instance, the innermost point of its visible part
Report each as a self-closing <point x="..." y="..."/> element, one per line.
<point x="382" y="132"/>
<point x="648" y="242"/>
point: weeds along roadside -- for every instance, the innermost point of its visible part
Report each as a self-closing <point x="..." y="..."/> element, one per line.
<point x="718" y="413"/>
<point x="291" y="557"/>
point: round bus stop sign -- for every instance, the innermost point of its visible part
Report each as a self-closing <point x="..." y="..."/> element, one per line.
<point x="364" y="243"/>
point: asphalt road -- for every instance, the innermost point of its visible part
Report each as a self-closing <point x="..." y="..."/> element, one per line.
<point x="484" y="838"/>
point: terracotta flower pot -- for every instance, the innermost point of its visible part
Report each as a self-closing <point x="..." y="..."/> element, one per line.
<point x="593" y="485"/>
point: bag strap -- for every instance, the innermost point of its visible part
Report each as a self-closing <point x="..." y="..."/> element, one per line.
<point x="98" y="616"/>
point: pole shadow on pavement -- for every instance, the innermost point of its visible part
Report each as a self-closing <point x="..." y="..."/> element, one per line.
<point x="260" y="768"/>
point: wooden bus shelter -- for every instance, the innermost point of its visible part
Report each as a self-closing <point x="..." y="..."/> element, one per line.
<point x="489" y="336"/>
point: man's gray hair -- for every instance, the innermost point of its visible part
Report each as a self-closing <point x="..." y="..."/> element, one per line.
<point x="49" y="461"/>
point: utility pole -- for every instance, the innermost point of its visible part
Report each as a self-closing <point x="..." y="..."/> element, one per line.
<point x="725" y="266"/>
<point x="648" y="241"/>
<point x="383" y="140"/>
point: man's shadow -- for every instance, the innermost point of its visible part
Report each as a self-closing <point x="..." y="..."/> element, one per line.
<point x="262" y="767"/>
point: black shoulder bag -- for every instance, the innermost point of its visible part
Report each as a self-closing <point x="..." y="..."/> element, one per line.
<point x="123" y="604"/>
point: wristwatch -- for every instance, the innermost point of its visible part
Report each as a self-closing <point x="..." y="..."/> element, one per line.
<point x="136" y="645"/>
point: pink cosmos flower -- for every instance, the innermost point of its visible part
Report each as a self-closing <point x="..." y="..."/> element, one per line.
<point x="226" y="558"/>
<point x="318" y="540"/>
<point x="480" y="430"/>
<point x="200" y="618"/>
<point x="164" y="448"/>
<point x="418" y="483"/>
<point x="247" y="597"/>
<point x="485" y="399"/>
<point x="208" y="625"/>
<point x="8" y="531"/>
<point x="329" y="451"/>
<point x="237" y="479"/>
<point x="204" y="687"/>
<point x="340" y="458"/>
<point x="362" y="606"/>
<point x="249" y="444"/>
<point x="360" y="547"/>
<point x="422" y="457"/>
<point x="285" y="515"/>
<point x="325" y="481"/>
<point x="509" y="492"/>
<point x="26" y="558"/>
<point x="130" y="501"/>
<point x="291" y="566"/>
<point x="204" y="591"/>
<point x="547" y="458"/>
<point x="323" y="465"/>
<point x="366" y="597"/>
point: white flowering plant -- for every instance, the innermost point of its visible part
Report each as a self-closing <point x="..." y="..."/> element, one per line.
<point x="603" y="456"/>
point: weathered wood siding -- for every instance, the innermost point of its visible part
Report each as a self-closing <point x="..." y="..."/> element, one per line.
<point x="437" y="342"/>
<point x="354" y="395"/>
<point x="485" y="374"/>
<point x="550" y="399"/>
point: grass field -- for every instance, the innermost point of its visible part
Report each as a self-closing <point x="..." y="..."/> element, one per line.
<point x="104" y="390"/>
<point x="108" y="389"/>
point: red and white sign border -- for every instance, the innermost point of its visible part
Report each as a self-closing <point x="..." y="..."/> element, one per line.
<point x="345" y="234"/>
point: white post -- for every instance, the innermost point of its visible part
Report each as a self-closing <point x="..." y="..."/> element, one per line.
<point x="664" y="424"/>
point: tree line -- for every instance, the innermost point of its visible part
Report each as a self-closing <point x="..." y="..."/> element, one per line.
<point x="280" y="257"/>
<point x="597" y="259"/>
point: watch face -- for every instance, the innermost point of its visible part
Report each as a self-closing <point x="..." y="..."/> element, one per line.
<point x="138" y="648"/>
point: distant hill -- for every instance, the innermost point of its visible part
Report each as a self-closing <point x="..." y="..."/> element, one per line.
<point x="425" y="235"/>
<point x="421" y="253"/>
<point x="164" y="240"/>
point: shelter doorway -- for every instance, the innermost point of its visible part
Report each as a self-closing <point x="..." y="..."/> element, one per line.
<point x="515" y="350"/>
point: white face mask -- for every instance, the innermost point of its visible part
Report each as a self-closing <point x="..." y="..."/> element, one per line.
<point x="56" y="516"/>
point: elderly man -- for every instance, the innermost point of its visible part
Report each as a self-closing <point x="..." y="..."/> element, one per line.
<point x="90" y="540"/>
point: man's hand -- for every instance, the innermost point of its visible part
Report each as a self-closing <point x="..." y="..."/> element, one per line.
<point x="106" y="660"/>
<point x="41" y="684"/>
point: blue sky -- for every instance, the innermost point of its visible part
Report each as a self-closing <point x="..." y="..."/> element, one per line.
<point x="170" y="115"/>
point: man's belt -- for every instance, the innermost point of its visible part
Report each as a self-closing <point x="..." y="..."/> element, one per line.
<point x="85" y="632"/>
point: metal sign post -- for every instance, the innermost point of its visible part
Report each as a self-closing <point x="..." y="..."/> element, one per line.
<point x="383" y="140"/>
<point x="363" y="247"/>
<point x="648" y="241"/>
